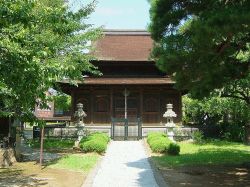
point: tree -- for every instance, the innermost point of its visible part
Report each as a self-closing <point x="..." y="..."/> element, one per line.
<point x="41" y="42"/>
<point x="204" y="45"/>
<point x="62" y="102"/>
<point x="218" y="117"/>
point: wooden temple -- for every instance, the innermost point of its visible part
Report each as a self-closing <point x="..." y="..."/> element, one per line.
<point x="131" y="85"/>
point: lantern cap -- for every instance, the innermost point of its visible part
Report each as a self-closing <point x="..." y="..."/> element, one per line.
<point x="169" y="112"/>
<point x="79" y="105"/>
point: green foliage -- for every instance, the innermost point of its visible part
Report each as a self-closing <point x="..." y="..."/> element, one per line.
<point x="154" y="135"/>
<point x="76" y="162"/>
<point x="52" y="143"/>
<point x="210" y="153"/>
<point x="94" y="146"/>
<point x="204" y="45"/>
<point x="158" y="142"/>
<point x="62" y="102"/>
<point x="233" y="132"/>
<point x="228" y="114"/>
<point x="173" y="149"/>
<point x="198" y="137"/>
<point x="41" y="42"/>
<point x="208" y="110"/>
<point x="96" y="142"/>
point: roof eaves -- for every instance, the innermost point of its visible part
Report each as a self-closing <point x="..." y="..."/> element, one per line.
<point x="126" y="32"/>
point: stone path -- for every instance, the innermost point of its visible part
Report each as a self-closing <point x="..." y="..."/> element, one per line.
<point x="125" y="165"/>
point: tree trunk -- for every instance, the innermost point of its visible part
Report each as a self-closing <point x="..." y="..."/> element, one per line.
<point x="17" y="124"/>
<point x="247" y="133"/>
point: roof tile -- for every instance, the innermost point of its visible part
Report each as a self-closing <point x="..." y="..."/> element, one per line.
<point x="124" y="46"/>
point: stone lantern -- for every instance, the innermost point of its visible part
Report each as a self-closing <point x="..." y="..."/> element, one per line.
<point x="170" y="115"/>
<point x="79" y="115"/>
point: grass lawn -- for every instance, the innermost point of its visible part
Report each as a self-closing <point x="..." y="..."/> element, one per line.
<point x="209" y="153"/>
<point x="76" y="162"/>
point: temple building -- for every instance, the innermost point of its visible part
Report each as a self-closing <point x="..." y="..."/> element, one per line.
<point x="131" y="85"/>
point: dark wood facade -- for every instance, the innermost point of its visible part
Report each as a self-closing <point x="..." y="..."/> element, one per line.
<point x="149" y="89"/>
<point x="103" y="97"/>
<point x="146" y="102"/>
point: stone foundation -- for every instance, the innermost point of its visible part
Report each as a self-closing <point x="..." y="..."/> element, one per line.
<point x="7" y="157"/>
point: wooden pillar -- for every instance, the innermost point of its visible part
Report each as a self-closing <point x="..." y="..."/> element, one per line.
<point x="180" y="107"/>
<point x="141" y="104"/>
<point x="41" y="146"/>
<point x="160" y="110"/>
<point x="92" y="106"/>
<point x="72" y="103"/>
<point x="126" y="104"/>
<point x="111" y="109"/>
<point x="161" y="105"/>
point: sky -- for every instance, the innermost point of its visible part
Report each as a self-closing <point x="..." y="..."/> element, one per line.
<point x="118" y="14"/>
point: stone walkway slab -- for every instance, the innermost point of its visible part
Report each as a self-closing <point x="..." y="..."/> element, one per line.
<point x="125" y="164"/>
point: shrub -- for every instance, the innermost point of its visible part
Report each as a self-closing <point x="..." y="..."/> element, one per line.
<point x="101" y="136"/>
<point x="94" y="146"/>
<point x="173" y="149"/>
<point x="158" y="142"/>
<point x="198" y="137"/>
<point x="155" y="135"/>
<point x="233" y="132"/>
<point x="96" y="142"/>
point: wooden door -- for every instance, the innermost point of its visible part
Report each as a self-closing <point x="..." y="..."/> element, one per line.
<point x="132" y="107"/>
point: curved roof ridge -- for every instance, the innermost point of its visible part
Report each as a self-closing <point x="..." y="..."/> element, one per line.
<point x="126" y="32"/>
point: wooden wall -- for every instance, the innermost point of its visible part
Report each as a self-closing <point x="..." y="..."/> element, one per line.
<point x="100" y="104"/>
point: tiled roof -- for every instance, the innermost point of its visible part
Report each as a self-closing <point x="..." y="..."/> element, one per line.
<point x="124" y="45"/>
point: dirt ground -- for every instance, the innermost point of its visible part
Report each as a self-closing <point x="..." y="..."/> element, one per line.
<point x="207" y="176"/>
<point x="30" y="174"/>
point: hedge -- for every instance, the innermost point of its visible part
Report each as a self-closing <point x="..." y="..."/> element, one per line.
<point x="160" y="143"/>
<point x="95" y="142"/>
